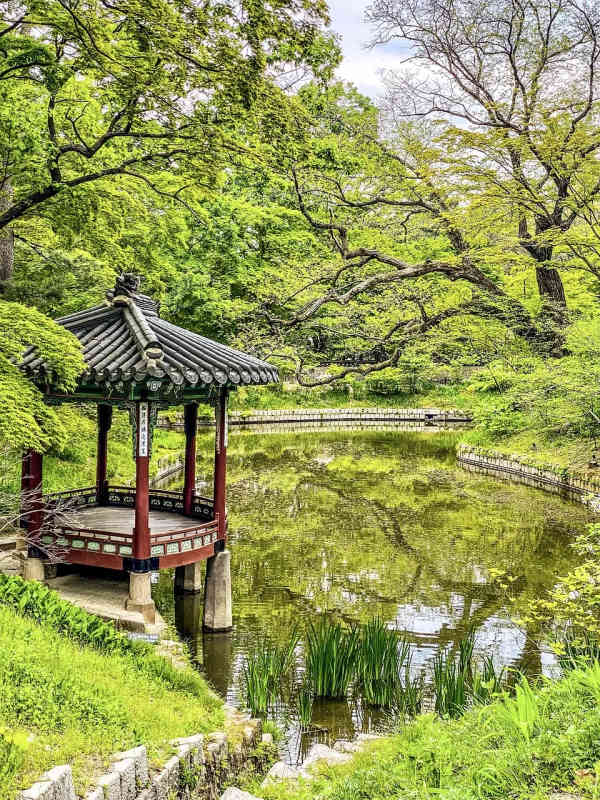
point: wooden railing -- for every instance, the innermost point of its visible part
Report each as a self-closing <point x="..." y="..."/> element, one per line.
<point x="107" y="548"/>
<point x="92" y="541"/>
<point x="124" y="497"/>
<point x="73" y="498"/>
<point x="165" y="543"/>
<point x="185" y="539"/>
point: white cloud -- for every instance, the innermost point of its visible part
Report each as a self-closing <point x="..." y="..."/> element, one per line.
<point x="361" y="65"/>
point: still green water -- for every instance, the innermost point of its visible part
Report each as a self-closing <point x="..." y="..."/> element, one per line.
<point x="366" y="523"/>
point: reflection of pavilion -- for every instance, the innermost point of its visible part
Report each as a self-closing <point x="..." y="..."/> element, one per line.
<point x="139" y="362"/>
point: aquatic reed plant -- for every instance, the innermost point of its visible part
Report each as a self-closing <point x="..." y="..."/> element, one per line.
<point x="331" y="653"/>
<point x="304" y="704"/>
<point x="265" y="668"/>
<point x="256" y="684"/>
<point x="487" y="682"/>
<point x="451" y="685"/>
<point x="380" y="659"/>
<point x="459" y="682"/>
<point x="409" y="695"/>
<point x="452" y="678"/>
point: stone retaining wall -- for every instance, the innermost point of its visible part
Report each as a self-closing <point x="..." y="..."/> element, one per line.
<point x="582" y="487"/>
<point x="198" y="769"/>
<point x="387" y="415"/>
<point x="323" y="420"/>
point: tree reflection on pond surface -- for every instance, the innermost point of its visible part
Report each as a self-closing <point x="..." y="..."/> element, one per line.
<point x="362" y="524"/>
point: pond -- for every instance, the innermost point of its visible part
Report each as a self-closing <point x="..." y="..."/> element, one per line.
<point x="375" y="523"/>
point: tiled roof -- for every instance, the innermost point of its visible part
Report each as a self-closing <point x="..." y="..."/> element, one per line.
<point x="125" y="340"/>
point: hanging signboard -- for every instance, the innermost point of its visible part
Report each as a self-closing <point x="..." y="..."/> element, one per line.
<point x="143" y="425"/>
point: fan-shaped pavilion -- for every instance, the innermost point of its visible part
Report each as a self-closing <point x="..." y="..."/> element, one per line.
<point x="139" y="362"/>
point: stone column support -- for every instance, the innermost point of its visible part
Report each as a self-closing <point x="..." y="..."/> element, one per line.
<point x="189" y="578"/>
<point x="104" y="422"/>
<point x="140" y="596"/>
<point x="217" y="593"/>
<point x="189" y="475"/>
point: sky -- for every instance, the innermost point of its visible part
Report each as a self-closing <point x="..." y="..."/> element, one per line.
<point x="360" y="65"/>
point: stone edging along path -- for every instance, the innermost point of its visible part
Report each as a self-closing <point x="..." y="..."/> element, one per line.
<point x="580" y="487"/>
<point x="199" y="768"/>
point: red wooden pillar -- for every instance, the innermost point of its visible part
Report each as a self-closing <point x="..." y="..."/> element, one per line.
<point x="221" y="460"/>
<point x="189" y="476"/>
<point x="32" y="502"/>
<point x="104" y="423"/>
<point x="25" y="484"/>
<point x="141" y="529"/>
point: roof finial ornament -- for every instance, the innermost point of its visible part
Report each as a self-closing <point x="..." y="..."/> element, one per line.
<point x="127" y="283"/>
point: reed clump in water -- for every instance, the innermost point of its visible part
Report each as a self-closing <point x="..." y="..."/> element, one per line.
<point x="459" y="683"/>
<point x="264" y="671"/>
<point x="408" y="701"/>
<point x="381" y="657"/>
<point x="304" y="704"/>
<point x="373" y="661"/>
<point x="331" y="653"/>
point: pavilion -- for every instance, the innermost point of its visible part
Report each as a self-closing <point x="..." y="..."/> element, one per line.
<point x="139" y="362"/>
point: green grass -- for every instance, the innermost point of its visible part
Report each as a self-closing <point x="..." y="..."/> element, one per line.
<point x="32" y="599"/>
<point x="521" y="747"/>
<point x="63" y="702"/>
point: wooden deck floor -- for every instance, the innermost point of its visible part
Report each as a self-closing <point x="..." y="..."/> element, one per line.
<point x="120" y="520"/>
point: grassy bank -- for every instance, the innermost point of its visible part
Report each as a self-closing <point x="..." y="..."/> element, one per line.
<point x="65" y="701"/>
<point x="523" y="747"/>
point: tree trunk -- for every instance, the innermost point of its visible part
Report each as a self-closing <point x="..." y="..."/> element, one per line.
<point x="550" y="286"/>
<point x="7" y="239"/>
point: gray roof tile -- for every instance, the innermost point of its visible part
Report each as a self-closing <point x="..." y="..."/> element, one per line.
<point x="125" y="339"/>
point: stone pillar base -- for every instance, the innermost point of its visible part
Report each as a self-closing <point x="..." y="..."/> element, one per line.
<point x="140" y="596"/>
<point x="217" y="593"/>
<point x="189" y="578"/>
<point x="33" y="569"/>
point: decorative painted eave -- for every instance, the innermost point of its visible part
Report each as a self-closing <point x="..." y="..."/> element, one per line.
<point x="125" y="341"/>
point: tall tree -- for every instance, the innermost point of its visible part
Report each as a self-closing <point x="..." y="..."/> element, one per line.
<point x="520" y="80"/>
<point x="411" y="245"/>
<point x="156" y="91"/>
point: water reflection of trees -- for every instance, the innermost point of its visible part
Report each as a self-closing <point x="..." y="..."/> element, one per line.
<point x="377" y="523"/>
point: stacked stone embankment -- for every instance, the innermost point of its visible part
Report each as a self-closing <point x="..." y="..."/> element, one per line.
<point x="580" y="486"/>
<point x="370" y="416"/>
<point x="341" y="753"/>
<point x="199" y="768"/>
